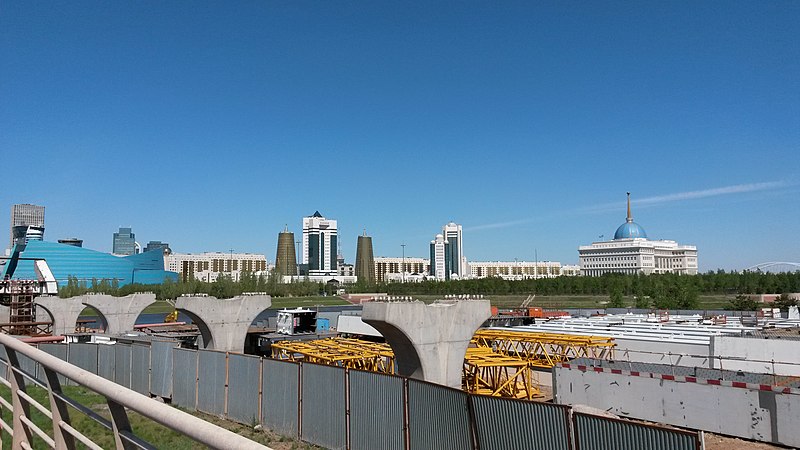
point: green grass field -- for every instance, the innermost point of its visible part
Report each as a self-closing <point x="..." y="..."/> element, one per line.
<point x="146" y="429"/>
<point x="579" y="301"/>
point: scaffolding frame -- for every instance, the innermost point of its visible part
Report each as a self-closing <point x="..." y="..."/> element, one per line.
<point x="489" y="373"/>
<point x="545" y="350"/>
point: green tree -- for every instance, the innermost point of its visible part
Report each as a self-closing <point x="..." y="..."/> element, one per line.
<point x="743" y="302"/>
<point x="616" y="299"/>
<point x="784" y="301"/>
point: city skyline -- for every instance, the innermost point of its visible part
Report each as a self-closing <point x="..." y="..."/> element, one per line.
<point x="524" y="123"/>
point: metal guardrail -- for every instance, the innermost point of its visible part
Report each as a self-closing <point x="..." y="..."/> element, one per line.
<point x="22" y="428"/>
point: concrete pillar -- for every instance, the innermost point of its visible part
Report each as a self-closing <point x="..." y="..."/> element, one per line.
<point x="63" y="311"/>
<point x="120" y="313"/>
<point x="224" y="323"/>
<point x="429" y="341"/>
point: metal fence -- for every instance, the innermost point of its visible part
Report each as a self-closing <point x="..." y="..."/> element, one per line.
<point x="497" y="421"/>
<point x="340" y="408"/>
<point x="596" y="432"/>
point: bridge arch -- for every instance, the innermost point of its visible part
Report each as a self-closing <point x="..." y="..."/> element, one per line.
<point x="775" y="266"/>
<point x="224" y="323"/>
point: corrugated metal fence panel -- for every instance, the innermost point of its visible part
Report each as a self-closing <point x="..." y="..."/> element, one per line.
<point x="184" y="377"/>
<point x="4" y="363"/>
<point x="376" y="411"/>
<point x="106" y="357"/>
<point x="438" y="417"/>
<point x="502" y="423"/>
<point x="28" y="366"/>
<point x="140" y="368"/>
<point x="211" y="382"/>
<point x="161" y="368"/>
<point x="595" y="432"/>
<point x="83" y="356"/>
<point x="323" y="406"/>
<point x="243" y="387"/>
<point x="122" y="364"/>
<point x="280" y="396"/>
<point x="57" y="350"/>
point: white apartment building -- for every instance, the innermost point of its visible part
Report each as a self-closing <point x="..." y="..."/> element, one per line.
<point x="398" y="269"/>
<point x="520" y="270"/>
<point x="320" y="245"/>
<point x="632" y="252"/>
<point x="209" y="266"/>
<point x="440" y="261"/>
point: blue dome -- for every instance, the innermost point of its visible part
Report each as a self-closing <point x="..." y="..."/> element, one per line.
<point x="630" y="230"/>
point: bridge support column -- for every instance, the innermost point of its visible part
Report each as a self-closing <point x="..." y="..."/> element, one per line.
<point x="224" y="323"/>
<point x="120" y="313"/>
<point x="64" y="312"/>
<point x="429" y="341"/>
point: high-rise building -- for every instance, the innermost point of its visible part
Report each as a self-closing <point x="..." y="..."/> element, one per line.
<point x="320" y="245"/>
<point x="157" y="246"/>
<point x="286" y="259"/>
<point x="454" y="236"/>
<point x="441" y="265"/>
<point x="365" y="261"/>
<point x="29" y="216"/>
<point x="632" y="252"/>
<point x="124" y="242"/>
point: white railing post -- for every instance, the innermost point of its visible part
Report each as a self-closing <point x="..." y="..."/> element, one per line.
<point x="22" y="434"/>
<point x="64" y="440"/>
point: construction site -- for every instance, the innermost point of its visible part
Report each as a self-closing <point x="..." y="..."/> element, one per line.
<point x="682" y="362"/>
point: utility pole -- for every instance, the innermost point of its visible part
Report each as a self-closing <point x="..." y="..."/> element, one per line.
<point x="404" y="262"/>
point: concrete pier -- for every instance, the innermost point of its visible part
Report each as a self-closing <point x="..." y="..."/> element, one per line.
<point x="429" y="341"/>
<point x="63" y="311"/>
<point x="118" y="313"/>
<point x="223" y="323"/>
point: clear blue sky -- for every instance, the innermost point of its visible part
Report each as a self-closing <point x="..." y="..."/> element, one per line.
<point x="211" y="125"/>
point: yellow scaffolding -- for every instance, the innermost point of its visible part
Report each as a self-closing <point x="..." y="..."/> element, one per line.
<point x="489" y="373"/>
<point x="349" y="353"/>
<point x="544" y="350"/>
<point x="498" y="363"/>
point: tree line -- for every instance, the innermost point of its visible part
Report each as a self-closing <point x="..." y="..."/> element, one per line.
<point x="658" y="290"/>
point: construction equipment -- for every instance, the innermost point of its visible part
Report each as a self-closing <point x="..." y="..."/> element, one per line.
<point x="544" y="350"/>
<point x="490" y="373"/>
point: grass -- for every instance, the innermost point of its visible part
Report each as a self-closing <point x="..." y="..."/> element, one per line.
<point x="293" y="302"/>
<point x="579" y="301"/>
<point x="158" y="435"/>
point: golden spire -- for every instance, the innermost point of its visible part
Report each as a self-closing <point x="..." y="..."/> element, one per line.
<point x="630" y="218"/>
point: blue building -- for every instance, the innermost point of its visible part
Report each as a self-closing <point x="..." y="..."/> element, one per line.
<point x="124" y="242"/>
<point x="86" y="265"/>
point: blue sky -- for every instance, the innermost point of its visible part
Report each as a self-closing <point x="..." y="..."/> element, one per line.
<point x="211" y="125"/>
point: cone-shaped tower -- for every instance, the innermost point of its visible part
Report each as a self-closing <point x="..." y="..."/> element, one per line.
<point x="286" y="260"/>
<point x="365" y="262"/>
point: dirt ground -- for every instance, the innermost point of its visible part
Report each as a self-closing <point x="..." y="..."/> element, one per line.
<point x="717" y="442"/>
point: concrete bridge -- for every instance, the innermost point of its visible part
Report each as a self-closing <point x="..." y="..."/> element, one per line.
<point x="223" y="323"/>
